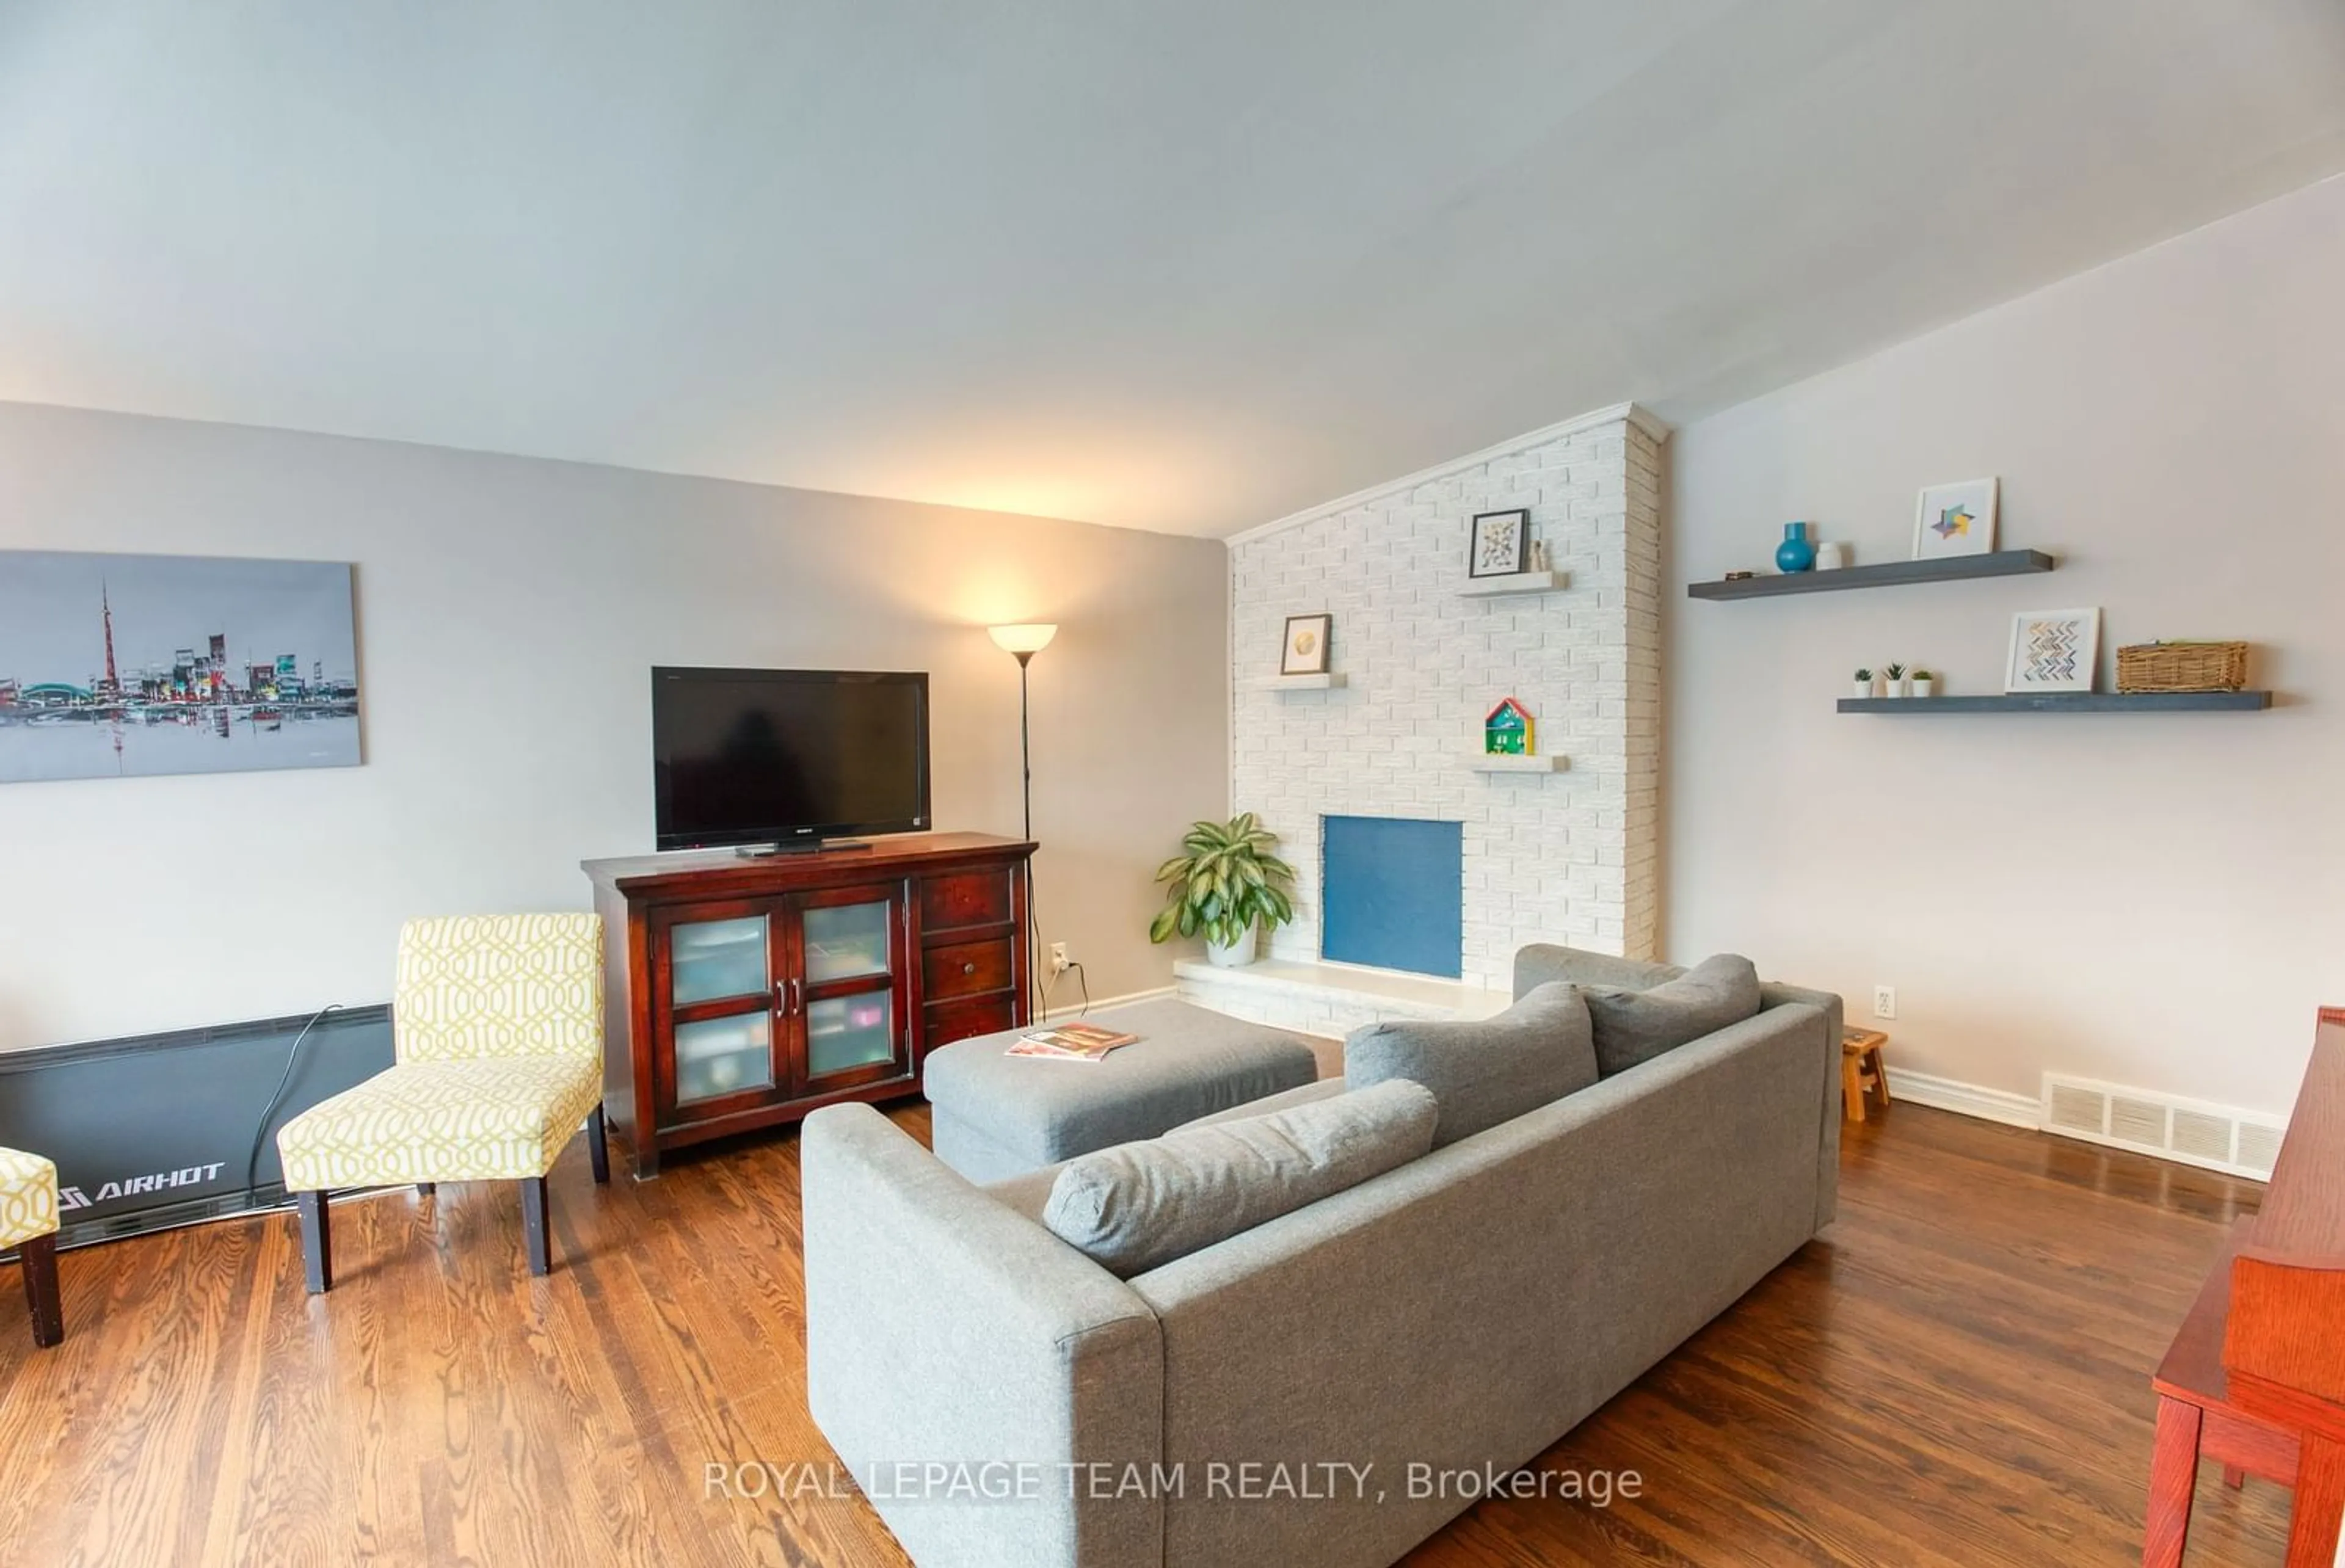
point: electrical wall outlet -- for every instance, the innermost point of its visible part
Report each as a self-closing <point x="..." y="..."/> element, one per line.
<point x="1059" y="962"/>
<point x="1884" y="1001"/>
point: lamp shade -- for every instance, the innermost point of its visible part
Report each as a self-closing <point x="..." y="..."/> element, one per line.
<point x="1029" y="638"/>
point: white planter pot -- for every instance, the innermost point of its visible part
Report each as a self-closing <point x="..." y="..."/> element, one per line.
<point x="1898" y="688"/>
<point x="1926" y="688"/>
<point x="1236" y="955"/>
<point x="1860" y="689"/>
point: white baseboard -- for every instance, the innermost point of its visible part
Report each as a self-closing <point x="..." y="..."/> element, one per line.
<point x="1062" y="1012"/>
<point x="1967" y="1099"/>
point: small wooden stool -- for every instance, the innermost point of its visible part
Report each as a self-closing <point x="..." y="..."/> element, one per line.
<point x="1860" y="1070"/>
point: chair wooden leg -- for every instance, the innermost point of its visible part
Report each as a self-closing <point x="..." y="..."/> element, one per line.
<point x="2173" y="1472"/>
<point x="316" y="1241"/>
<point x="1880" y="1073"/>
<point x="1851" y="1089"/>
<point x="532" y="1226"/>
<point x="598" y="1147"/>
<point x="39" y="1257"/>
<point x="2313" y="1519"/>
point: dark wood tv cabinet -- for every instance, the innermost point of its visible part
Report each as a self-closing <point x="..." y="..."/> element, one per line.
<point x="741" y="994"/>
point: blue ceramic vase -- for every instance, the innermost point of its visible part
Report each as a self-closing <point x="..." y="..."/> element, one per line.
<point x="1795" y="553"/>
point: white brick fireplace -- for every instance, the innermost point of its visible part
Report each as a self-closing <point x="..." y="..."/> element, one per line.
<point x="1567" y="856"/>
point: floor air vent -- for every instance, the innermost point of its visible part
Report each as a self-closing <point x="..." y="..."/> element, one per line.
<point x="2203" y="1136"/>
<point x="2073" y="1110"/>
<point x="2258" y="1148"/>
<point x="2139" y="1122"/>
<point x="2218" y="1137"/>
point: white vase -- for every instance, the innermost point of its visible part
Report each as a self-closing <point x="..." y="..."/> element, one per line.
<point x="1901" y="687"/>
<point x="1830" y="557"/>
<point x="1236" y="955"/>
<point x="1925" y="685"/>
<point x="1860" y="690"/>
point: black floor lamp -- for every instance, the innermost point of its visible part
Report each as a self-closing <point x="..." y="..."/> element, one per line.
<point x="1022" y="641"/>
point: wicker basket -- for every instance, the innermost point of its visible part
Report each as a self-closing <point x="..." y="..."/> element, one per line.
<point x="2183" y="667"/>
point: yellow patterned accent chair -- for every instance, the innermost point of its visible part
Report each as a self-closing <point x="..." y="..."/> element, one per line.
<point x="28" y="1222"/>
<point x="497" y="1032"/>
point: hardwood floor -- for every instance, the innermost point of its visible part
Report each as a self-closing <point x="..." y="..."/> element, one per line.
<point x="1957" y="1376"/>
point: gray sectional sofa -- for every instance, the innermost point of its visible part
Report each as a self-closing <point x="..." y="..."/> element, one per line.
<point x="1008" y="1402"/>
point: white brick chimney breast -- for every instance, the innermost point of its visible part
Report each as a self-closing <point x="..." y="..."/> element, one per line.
<point x="1563" y="857"/>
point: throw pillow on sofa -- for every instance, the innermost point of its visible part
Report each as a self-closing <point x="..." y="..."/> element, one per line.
<point x="1487" y="1071"/>
<point x="1635" y="1027"/>
<point x="1138" y="1206"/>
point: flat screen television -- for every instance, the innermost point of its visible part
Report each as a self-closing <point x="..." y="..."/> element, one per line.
<point x="789" y="757"/>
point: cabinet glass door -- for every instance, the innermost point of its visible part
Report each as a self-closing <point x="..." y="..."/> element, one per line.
<point x="720" y="1006"/>
<point x="850" y="944"/>
<point x="847" y="941"/>
<point x="850" y="1032"/>
<point x="715" y="960"/>
<point x="719" y="1056"/>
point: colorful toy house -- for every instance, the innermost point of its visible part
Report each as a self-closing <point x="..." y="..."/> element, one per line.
<point x="1508" y="732"/>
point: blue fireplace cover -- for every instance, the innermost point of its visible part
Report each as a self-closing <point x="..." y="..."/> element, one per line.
<point x="1392" y="894"/>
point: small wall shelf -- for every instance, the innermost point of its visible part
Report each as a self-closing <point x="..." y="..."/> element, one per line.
<point x="1888" y="574"/>
<point x="1546" y="763"/>
<point x="2068" y="703"/>
<point x="1514" y="583"/>
<point x="1328" y="682"/>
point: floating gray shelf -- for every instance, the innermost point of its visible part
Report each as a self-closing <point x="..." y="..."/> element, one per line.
<point x="1889" y="574"/>
<point x="2067" y="702"/>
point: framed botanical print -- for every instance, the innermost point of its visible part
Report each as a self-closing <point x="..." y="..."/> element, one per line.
<point x="1305" y="653"/>
<point x="1499" y="544"/>
<point x="2054" y="651"/>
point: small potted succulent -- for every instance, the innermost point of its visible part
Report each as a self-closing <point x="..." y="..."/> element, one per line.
<point x="1863" y="684"/>
<point x="1925" y="684"/>
<point x="1225" y="887"/>
<point x="1893" y="682"/>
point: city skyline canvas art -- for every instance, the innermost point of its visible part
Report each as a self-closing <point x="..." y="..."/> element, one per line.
<point x="135" y="665"/>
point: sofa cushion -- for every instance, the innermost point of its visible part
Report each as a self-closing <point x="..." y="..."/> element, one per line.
<point x="1485" y="1071"/>
<point x="1139" y="1205"/>
<point x="1634" y="1026"/>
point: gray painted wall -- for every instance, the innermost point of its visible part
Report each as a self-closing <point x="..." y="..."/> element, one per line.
<point x="2147" y="899"/>
<point x="509" y="610"/>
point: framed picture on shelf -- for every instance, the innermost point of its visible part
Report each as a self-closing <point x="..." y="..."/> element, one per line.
<point x="1499" y="544"/>
<point x="2054" y="651"/>
<point x="1953" y="519"/>
<point x="1306" y="651"/>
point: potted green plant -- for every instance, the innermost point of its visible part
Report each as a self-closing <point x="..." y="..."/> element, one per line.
<point x="1893" y="681"/>
<point x="1225" y="887"/>
<point x="1925" y="684"/>
<point x="1863" y="684"/>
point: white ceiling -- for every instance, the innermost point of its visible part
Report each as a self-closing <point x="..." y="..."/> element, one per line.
<point x="1184" y="265"/>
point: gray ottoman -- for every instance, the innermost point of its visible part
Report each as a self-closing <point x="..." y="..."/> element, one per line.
<point x="997" y="1116"/>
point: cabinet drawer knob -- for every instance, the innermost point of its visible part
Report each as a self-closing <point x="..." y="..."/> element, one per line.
<point x="969" y="968"/>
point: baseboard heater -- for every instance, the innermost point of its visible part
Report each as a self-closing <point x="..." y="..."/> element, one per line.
<point x="153" y="1131"/>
